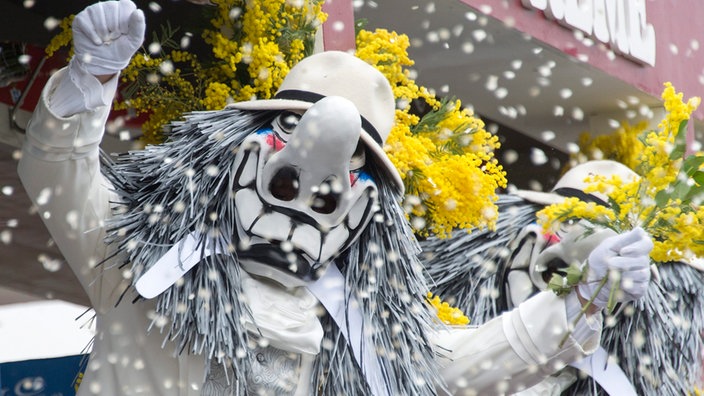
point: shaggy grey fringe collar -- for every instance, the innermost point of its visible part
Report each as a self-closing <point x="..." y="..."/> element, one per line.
<point x="467" y="269"/>
<point x="657" y="339"/>
<point x="185" y="184"/>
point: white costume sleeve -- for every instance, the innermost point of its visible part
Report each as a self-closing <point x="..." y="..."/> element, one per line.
<point x="79" y="91"/>
<point x="517" y="349"/>
<point x="59" y="169"/>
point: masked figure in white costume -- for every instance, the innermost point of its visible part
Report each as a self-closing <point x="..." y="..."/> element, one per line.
<point x="262" y="249"/>
<point x="487" y="273"/>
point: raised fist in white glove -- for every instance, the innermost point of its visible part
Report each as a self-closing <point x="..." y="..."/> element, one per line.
<point x="624" y="260"/>
<point x="106" y="35"/>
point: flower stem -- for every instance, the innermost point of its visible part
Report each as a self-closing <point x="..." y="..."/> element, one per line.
<point x="611" y="304"/>
<point x="584" y="309"/>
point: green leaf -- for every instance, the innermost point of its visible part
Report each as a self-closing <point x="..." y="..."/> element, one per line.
<point x="680" y="190"/>
<point x="680" y="142"/>
<point x="694" y="192"/>
<point x="698" y="177"/>
<point x="661" y="198"/>
<point x="692" y="163"/>
<point x="615" y="206"/>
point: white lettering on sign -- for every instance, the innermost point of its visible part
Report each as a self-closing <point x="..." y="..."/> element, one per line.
<point x="622" y="24"/>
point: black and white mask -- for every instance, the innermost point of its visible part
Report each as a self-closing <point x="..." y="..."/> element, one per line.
<point x="537" y="256"/>
<point x="301" y="192"/>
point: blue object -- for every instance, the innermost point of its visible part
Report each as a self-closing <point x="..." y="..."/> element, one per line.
<point x="42" y="377"/>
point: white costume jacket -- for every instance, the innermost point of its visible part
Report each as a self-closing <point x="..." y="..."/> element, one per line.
<point x="60" y="171"/>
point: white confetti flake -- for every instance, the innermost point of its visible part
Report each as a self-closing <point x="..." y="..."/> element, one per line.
<point x="479" y="35"/>
<point x="578" y="114"/>
<point x="510" y="156"/>
<point x="673" y="49"/>
<point x="44" y="196"/>
<point x="491" y="82"/>
<point x="432" y="37"/>
<point x="186" y="41"/>
<point x="49" y="264"/>
<point x="51" y="23"/>
<point x="338" y="26"/>
<point x="24" y="59"/>
<point x="154" y="48"/>
<point x="537" y="156"/>
<point x="166" y="67"/>
<point x="153" y="78"/>
<point x="6" y="237"/>
<point x="547" y="135"/>
<point x="95" y="387"/>
<point x="154" y="6"/>
<point x="212" y="171"/>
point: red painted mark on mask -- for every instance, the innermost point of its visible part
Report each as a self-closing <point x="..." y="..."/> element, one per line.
<point x="551" y="239"/>
<point x="274" y="142"/>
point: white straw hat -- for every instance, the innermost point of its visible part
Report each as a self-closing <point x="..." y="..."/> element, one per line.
<point x="336" y="73"/>
<point x="572" y="183"/>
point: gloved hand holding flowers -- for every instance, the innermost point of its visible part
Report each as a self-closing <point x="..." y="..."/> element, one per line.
<point x="618" y="269"/>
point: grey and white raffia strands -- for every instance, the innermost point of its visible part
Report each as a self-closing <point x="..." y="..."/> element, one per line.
<point x="469" y="269"/>
<point x="184" y="185"/>
<point x="169" y="191"/>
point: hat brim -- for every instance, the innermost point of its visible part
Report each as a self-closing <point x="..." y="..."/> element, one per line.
<point x="538" y="197"/>
<point x="695" y="262"/>
<point x="377" y="152"/>
<point x="271" y="104"/>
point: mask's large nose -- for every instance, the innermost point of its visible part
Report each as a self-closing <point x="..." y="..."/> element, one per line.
<point x="311" y="173"/>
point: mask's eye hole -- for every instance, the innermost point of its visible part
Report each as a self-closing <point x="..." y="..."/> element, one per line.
<point x="556" y="265"/>
<point x="326" y="199"/>
<point x="358" y="157"/>
<point x="284" y="184"/>
<point x="287" y="121"/>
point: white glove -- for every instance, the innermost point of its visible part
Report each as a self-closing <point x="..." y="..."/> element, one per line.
<point x="624" y="259"/>
<point x="107" y="34"/>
